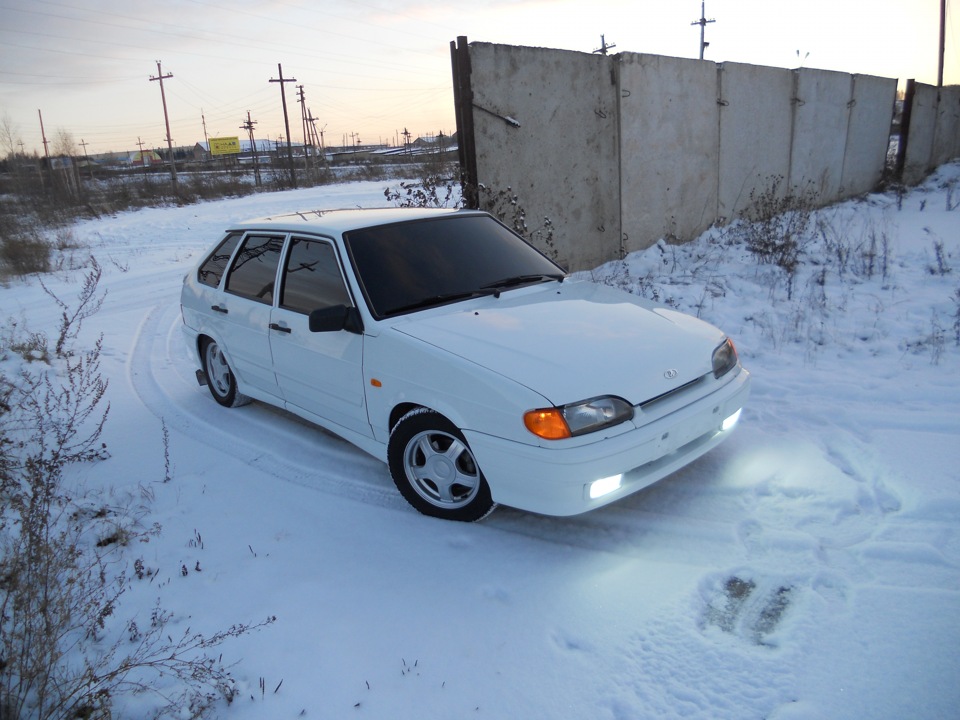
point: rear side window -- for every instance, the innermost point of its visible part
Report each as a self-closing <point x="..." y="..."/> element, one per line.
<point x="254" y="270"/>
<point x="212" y="270"/>
<point x="312" y="279"/>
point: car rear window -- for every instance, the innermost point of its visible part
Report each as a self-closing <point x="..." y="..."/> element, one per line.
<point x="404" y="265"/>
<point x="254" y="270"/>
<point x="213" y="268"/>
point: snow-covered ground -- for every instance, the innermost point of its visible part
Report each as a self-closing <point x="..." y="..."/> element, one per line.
<point x="808" y="568"/>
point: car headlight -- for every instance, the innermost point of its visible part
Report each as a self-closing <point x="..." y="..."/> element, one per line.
<point x="557" y="423"/>
<point x="724" y="358"/>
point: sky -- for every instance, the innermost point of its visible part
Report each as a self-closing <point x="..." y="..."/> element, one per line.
<point x="369" y="69"/>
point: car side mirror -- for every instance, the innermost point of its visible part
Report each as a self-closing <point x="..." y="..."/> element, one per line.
<point x="336" y="318"/>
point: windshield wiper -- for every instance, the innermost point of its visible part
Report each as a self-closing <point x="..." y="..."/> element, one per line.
<point x="434" y="300"/>
<point x="509" y="282"/>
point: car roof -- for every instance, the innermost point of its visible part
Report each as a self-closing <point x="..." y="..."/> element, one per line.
<point x="340" y="221"/>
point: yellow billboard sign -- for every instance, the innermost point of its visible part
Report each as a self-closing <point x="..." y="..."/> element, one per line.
<point x="225" y="146"/>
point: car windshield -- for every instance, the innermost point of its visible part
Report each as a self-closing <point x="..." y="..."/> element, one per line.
<point x="413" y="265"/>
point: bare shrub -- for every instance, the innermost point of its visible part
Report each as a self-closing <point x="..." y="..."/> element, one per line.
<point x="88" y="304"/>
<point x="439" y="191"/>
<point x="941" y="263"/>
<point x="24" y="251"/>
<point x="433" y="190"/>
<point x="776" y="226"/>
<point x="956" y="317"/>
<point x="60" y="582"/>
<point x="864" y="254"/>
<point x="505" y="205"/>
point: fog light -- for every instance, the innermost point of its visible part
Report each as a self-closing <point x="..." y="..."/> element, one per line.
<point x="731" y="421"/>
<point x="604" y="486"/>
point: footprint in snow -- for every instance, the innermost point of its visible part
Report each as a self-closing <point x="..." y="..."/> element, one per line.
<point x="746" y="607"/>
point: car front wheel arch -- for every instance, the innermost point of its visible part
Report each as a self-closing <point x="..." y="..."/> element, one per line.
<point x="434" y="469"/>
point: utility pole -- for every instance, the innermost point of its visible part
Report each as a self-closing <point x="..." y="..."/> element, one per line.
<point x="166" y="119"/>
<point x="302" y="99"/>
<point x="286" y="121"/>
<point x="43" y="134"/>
<point x="143" y="163"/>
<point x="86" y="158"/>
<point x="248" y="126"/>
<point x="46" y="152"/>
<point x="702" y="22"/>
<point x="943" y="23"/>
<point x="316" y="145"/>
<point x="604" y="47"/>
<point x="206" y="139"/>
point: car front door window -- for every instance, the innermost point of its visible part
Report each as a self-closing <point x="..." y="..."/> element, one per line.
<point x="311" y="278"/>
<point x="320" y="372"/>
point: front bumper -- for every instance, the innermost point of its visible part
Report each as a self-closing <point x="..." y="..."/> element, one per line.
<point x="556" y="480"/>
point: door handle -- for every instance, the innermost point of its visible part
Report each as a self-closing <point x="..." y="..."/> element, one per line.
<point x="219" y="309"/>
<point x="280" y="328"/>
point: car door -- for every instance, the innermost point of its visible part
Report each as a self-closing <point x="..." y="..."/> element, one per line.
<point x="320" y="372"/>
<point x="245" y="310"/>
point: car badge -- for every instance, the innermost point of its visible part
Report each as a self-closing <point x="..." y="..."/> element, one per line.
<point x="671" y="374"/>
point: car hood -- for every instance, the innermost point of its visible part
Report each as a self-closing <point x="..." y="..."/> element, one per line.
<point x="574" y="340"/>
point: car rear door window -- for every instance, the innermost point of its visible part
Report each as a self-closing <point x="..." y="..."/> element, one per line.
<point x="212" y="270"/>
<point x="312" y="278"/>
<point x="254" y="270"/>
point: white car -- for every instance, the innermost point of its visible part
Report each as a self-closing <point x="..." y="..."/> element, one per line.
<point x="443" y="344"/>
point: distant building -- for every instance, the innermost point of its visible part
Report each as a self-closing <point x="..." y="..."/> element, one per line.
<point x="142" y="158"/>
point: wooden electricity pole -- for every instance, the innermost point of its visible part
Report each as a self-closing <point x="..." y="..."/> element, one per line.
<point x="286" y="121"/>
<point x="86" y="158"/>
<point x="43" y="135"/>
<point x="248" y="126"/>
<point x="166" y="119"/>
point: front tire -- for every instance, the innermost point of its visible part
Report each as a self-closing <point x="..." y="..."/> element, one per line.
<point x="220" y="378"/>
<point x="434" y="469"/>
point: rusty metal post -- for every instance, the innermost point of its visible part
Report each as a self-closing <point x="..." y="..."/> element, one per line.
<point x="463" y="106"/>
<point x="905" y="128"/>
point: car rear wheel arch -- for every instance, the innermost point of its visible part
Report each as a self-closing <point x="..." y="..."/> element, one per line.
<point x="220" y="377"/>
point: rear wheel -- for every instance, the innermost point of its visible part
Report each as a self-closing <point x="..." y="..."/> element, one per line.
<point x="434" y="469"/>
<point x="220" y="378"/>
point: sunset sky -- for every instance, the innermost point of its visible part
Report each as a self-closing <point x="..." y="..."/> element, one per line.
<point x="370" y="68"/>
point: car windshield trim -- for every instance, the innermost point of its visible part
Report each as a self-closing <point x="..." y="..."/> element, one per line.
<point x="516" y="280"/>
<point x="438" y="300"/>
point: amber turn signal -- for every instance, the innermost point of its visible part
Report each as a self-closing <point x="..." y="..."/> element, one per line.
<point x="547" y="423"/>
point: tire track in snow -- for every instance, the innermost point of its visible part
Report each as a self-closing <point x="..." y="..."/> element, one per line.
<point x="686" y="519"/>
<point x="288" y="448"/>
<point x="272" y="441"/>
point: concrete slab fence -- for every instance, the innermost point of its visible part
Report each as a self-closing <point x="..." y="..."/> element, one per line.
<point x="620" y="151"/>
